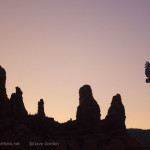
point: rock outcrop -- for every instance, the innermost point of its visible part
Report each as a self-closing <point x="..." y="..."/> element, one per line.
<point x="87" y="132"/>
<point x="17" y="106"/>
<point x="88" y="111"/>
<point x="115" y="119"/>
<point x="4" y="101"/>
<point x="41" y="112"/>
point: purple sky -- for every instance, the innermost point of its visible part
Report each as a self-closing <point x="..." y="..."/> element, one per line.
<point x="50" y="48"/>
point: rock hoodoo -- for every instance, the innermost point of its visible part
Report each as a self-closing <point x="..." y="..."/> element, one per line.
<point x="115" y="118"/>
<point x="17" y="106"/>
<point x="2" y="80"/>
<point x="87" y="132"/>
<point x="4" y="101"/>
<point x="41" y="112"/>
<point x="88" y="111"/>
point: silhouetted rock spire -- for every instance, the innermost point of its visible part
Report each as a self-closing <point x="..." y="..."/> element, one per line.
<point x="87" y="132"/>
<point x="2" y="79"/>
<point x="88" y="111"/>
<point x="4" y="101"/>
<point x="116" y="114"/>
<point x="41" y="108"/>
<point x="17" y="105"/>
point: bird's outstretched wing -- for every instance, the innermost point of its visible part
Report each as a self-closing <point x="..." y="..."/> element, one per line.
<point x="147" y="69"/>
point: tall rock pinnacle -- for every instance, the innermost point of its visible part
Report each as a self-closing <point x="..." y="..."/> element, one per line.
<point x="2" y="79"/>
<point x="116" y="114"/>
<point x="17" y="106"/>
<point x="41" y="108"/>
<point x="88" y="111"/>
<point x="4" y="102"/>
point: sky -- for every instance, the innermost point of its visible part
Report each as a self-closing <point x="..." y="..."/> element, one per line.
<point x="50" y="48"/>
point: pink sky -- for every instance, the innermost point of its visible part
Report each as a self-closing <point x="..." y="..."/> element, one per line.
<point x="50" y="48"/>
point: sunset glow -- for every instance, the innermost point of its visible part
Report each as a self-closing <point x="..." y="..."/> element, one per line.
<point x="52" y="48"/>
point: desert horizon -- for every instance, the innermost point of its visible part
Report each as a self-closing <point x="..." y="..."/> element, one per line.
<point x="50" y="49"/>
<point x="76" y="73"/>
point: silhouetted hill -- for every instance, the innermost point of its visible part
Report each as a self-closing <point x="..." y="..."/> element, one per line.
<point x="142" y="136"/>
<point x="20" y="130"/>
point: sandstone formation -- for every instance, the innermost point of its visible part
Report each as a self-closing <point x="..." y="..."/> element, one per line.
<point x="4" y="102"/>
<point x="87" y="132"/>
<point x="41" y="112"/>
<point x="115" y="118"/>
<point x="88" y="111"/>
<point x="17" y="106"/>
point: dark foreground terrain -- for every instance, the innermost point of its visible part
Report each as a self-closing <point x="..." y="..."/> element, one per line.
<point x="142" y="136"/>
<point x="19" y="130"/>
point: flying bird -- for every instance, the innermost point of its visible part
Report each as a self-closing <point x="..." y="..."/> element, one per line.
<point x="147" y="71"/>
